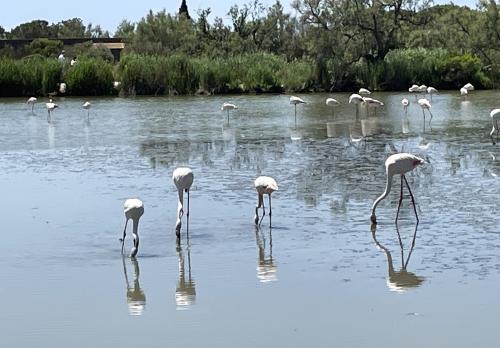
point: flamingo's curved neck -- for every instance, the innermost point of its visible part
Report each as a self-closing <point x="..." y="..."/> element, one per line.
<point x="180" y="211"/>
<point x="383" y="195"/>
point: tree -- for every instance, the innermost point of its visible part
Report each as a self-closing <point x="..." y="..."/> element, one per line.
<point x="33" y="30"/>
<point x="125" y="30"/>
<point x="70" y="28"/>
<point x="183" y="10"/>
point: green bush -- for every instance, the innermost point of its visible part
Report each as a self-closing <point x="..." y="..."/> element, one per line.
<point x="29" y="77"/>
<point x="90" y="77"/>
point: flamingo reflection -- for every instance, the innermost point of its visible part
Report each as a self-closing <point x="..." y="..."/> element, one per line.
<point x="266" y="269"/>
<point x="402" y="280"/>
<point x="185" y="291"/>
<point x="136" y="299"/>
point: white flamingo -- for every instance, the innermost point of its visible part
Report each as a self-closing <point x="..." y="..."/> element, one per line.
<point x="425" y="104"/>
<point x="294" y="101"/>
<point x="422" y="89"/>
<point x="495" y="117"/>
<point x="399" y="163"/>
<point x="264" y="185"/>
<point x="469" y="87"/>
<point x="464" y="91"/>
<point x="86" y="106"/>
<point x="364" y="91"/>
<point x="133" y="208"/>
<point x="405" y="102"/>
<point x="431" y="91"/>
<point x="356" y="99"/>
<point x="372" y="104"/>
<point x="31" y="101"/>
<point x="50" y="107"/>
<point x="183" y="179"/>
<point x="413" y="89"/>
<point x="333" y="103"/>
<point x="227" y="107"/>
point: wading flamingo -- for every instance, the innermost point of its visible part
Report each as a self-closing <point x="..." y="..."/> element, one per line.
<point x="227" y="107"/>
<point x="294" y="101"/>
<point x="372" y="104"/>
<point x="356" y="99"/>
<point x="422" y="89"/>
<point x="413" y="89"/>
<point x="431" y="91"/>
<point x="264" y="185"/>
<point x="464" y="92"/>
<point x="495" y="117"/>
<point x="50" y="107"/>
<point x="364" y="91"/>
<point x="31" y="101"/>
<point x="405" y="102"/>
<point x="133" y="209"/>
<point x="469" y="87"/>
<point x="399" y="163"/>
<point x="425" y="105"/>
<point x="86" y="106"/>
<point x="333" y="103"/>
<point x="183" y="179"/>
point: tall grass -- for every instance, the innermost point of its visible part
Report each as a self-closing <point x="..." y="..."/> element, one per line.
<point x="179" y="73"/>
<point x="90" y="76"/>
<point x="28" y="77"/>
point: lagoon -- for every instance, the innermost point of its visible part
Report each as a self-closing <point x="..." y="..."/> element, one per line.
<point x="321" y="276"/>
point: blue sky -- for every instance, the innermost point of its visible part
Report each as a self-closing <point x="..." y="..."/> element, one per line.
<point x="108" y="13"/>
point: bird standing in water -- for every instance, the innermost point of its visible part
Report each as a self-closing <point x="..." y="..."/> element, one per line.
<point x="50" y="107"/>
<point x="183" y="179"/>
<point x="495" y="117"/>
<point x="294" y="101"/>
<point x="399" y="163"/>
<point x="227" y="107"/>
<point x="133" y="208"/>
<point x="31" y="101"/>
<point x="264" y="185"/>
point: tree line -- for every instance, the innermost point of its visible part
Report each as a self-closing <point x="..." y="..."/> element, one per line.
<point x="329" y="45"/>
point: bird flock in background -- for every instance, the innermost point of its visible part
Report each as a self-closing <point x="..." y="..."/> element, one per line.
<point x="396" y="164"/>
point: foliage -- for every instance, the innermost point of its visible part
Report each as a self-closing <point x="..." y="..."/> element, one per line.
<point x="90" y="77"/>
<point x="44" y="47"/>
<point x="29" y="77"/>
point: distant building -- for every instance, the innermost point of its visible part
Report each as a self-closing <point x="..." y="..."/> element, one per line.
<point x="115" y="45"/>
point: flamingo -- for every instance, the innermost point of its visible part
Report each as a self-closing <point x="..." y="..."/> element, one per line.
<point x="364" y="91"/>
<point x="183" y="179"/>
<point x="431" y="91"/>
<point x="413" y="89"/>
<point x="333" y="103"/>
<point x="425" y="104"/>
<point x="50" y="107"/>
<point x="422" y="89"/>
<point x="264" y="185"/>
<point x="464" y="91"/>
<point x="495" y="116"/>
<point x="86" y="106"/>
<point x="405" y="102"/>
<point x="399" y="163"/>
<point x="296" y="100"/>
<point x="133" y="208"/>
<point x="227" y="107"/>
<point x="469" y="87"/>
<point x="31" y="101"/>
<point x="372" y="104"/>
<point x="356" y="99"/>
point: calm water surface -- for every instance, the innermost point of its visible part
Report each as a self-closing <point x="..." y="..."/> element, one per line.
<point x="320" y="278"/>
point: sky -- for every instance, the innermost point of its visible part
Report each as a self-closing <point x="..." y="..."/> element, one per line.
<point x="109" y="13"/>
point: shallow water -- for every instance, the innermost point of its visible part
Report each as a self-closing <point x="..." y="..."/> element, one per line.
<point x="320" y="277"/>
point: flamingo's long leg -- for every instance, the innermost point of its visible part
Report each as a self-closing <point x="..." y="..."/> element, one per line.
<point x="412" y="199"/>
<point x="124" y="234"/>
<point x="400" y="199"/>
